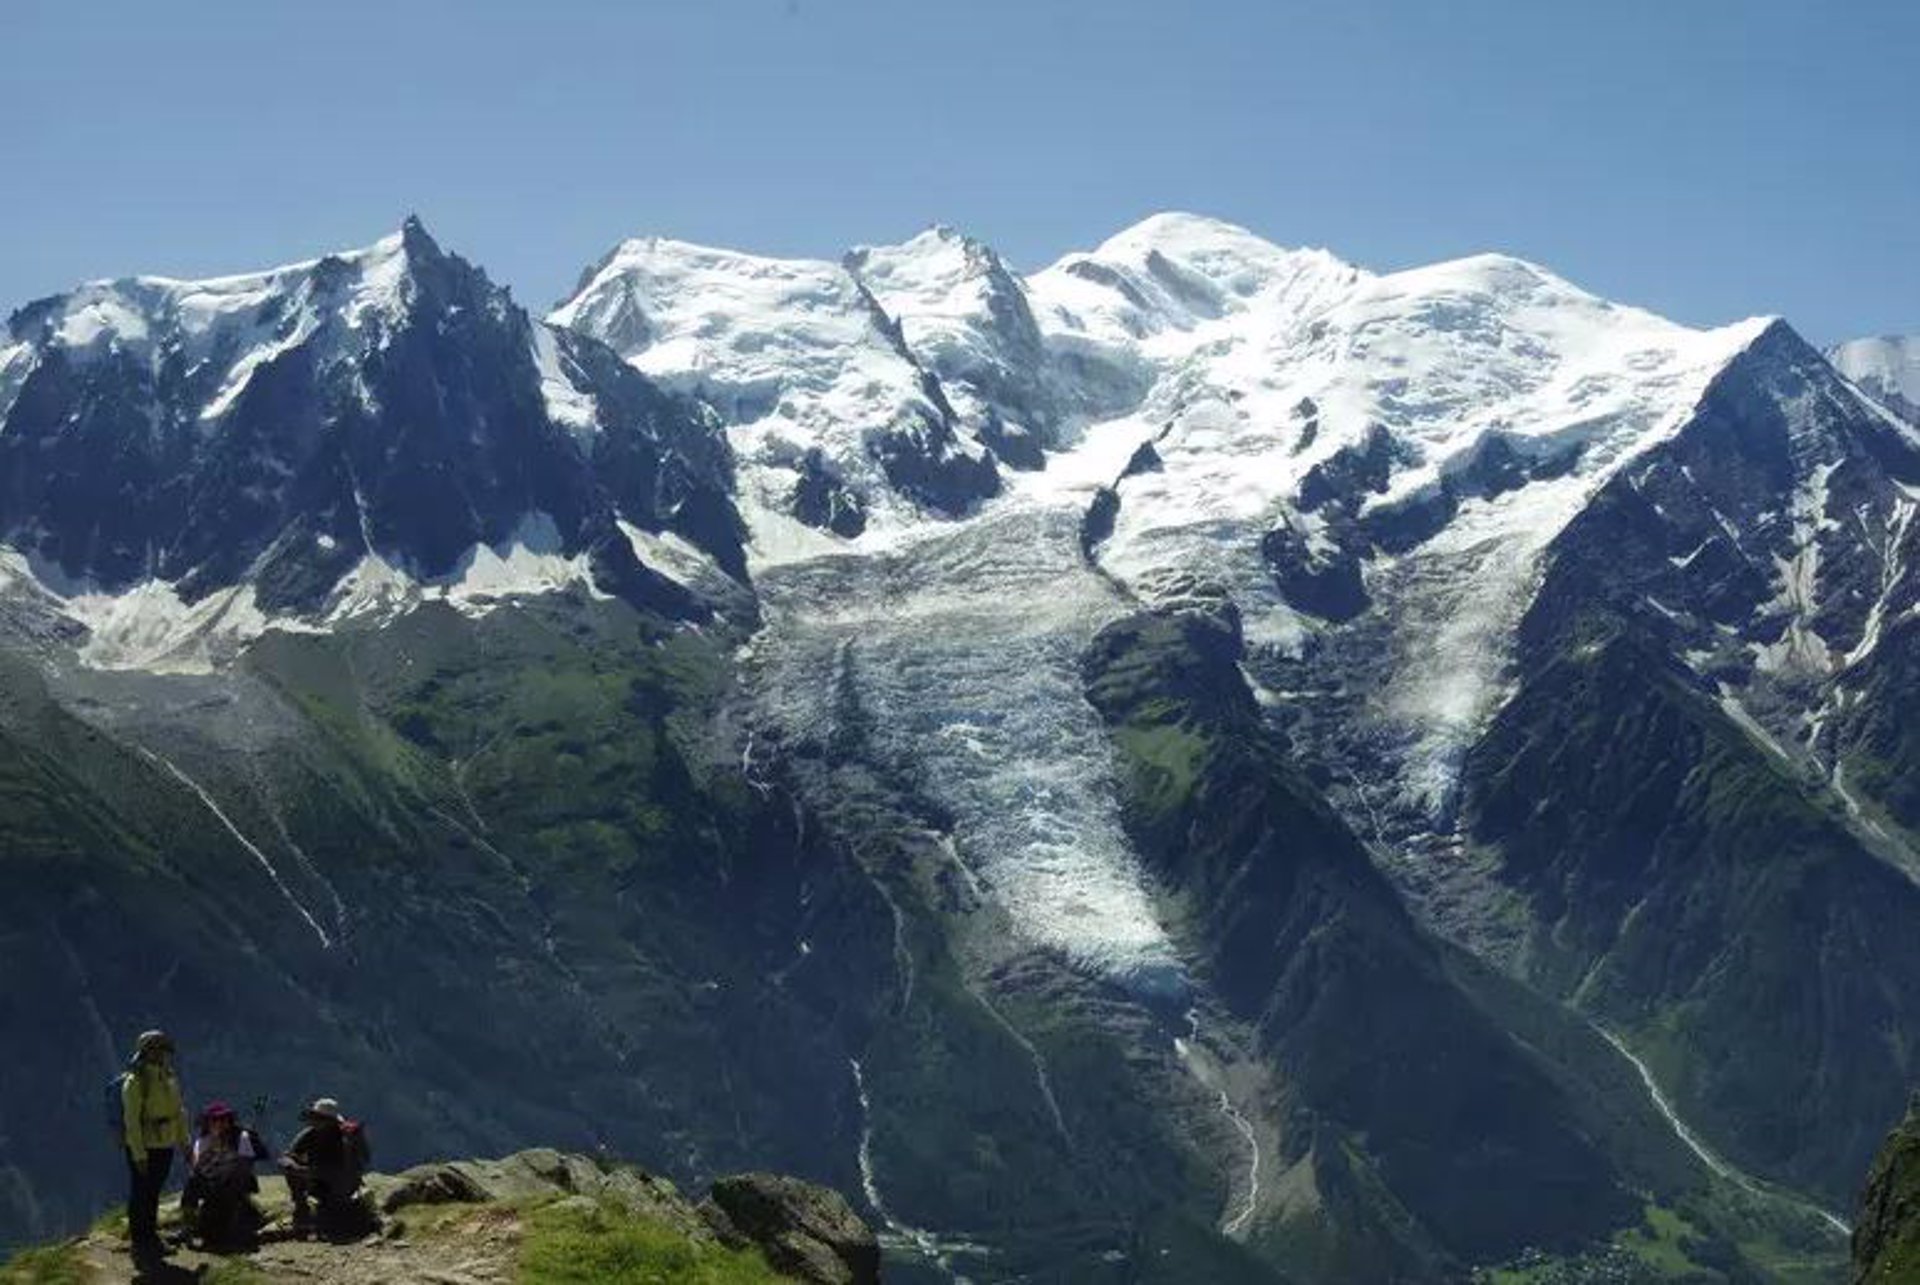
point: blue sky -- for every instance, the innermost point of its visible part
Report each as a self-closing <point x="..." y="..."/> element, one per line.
<point x="1710" y="159"/>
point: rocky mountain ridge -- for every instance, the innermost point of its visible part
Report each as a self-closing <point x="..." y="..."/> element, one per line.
<point x="185" y="464"/>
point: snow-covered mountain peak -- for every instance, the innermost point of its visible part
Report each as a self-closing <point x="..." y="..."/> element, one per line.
<point x="1178" y="272"/>
<point x="205" y="337"/>
<point x="1397" y="392"/>
<point x="1887" y="367"/>
<point x="835" y="422"/>
<point x="741" y="328"/>
<point x="938" y="272"/>
<point x="172" y="451"/>
<point x="1199" y="240"/>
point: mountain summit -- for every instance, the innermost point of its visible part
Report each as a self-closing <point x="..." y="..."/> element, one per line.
<point x="321" y="440"/>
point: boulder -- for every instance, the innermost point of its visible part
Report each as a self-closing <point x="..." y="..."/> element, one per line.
<point x="807" y="1232"/>
<point x="441" y="1184"/>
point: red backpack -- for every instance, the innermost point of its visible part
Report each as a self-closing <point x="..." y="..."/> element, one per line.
<point x="359" y="1151"/>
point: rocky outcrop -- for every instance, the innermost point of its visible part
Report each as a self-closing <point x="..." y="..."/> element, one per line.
<point x="805" y="1232"/>
<point x="808" y="1232"/>
<point x="537" y="1176"/>
<point x="1886" y="1235"/>
<point x="478" y="1222"/>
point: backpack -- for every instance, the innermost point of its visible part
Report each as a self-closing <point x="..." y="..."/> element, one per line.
<point x="359" y="1155"/>
<point x="116" y="1106"/>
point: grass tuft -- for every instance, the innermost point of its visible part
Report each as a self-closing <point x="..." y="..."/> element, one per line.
<point x="233" y="1272"/>
<point x="53" y="1265"/>
<point x="568" y="1245"/>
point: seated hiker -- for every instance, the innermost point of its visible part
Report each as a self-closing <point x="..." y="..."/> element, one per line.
<point x="324" y="1164"/>
<point x="218" y="1201"/>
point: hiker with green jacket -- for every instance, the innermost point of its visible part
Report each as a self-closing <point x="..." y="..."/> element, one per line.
<point x="154" y="1124"/>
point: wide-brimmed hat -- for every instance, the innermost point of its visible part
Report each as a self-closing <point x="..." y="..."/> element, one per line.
<point x="217" y="1111"/>
<point x="322" y="1109"/>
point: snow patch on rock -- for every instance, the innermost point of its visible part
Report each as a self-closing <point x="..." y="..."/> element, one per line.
<point x="569" y="405"/>
<point x="1887" y="367"/>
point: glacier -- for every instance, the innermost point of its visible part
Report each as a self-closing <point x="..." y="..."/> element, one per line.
<point x="1242" y="371"/>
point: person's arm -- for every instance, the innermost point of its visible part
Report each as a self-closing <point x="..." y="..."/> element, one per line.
<point x="132" y="1112"/>
<point x="296" y="1152"/>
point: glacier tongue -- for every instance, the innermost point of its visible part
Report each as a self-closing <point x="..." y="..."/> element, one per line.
<point x="962" y="651"/>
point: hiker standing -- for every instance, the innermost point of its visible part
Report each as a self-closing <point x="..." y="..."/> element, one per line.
<point x="153" y="1125"/>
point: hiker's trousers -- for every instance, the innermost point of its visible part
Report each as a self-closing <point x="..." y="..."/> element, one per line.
<point x="143" y="1194"/>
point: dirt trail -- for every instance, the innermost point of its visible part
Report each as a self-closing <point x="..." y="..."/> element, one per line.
<point x="478" y="1247"/>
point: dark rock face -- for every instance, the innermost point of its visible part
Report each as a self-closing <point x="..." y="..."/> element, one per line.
<point x="1886" y="1232"/>
<point x="1687" y="891"/>
<point x="925" y="463"/>
<point x="1351" y="471"/>
<point x="1327" y="584"/>
<point x="434" y="1185"/>
<point x="1698" y="528"/>
<point x="821" y="499"/>
<point x="1145" y="459"/>
<point x="1697" y="884"/>
<point x="1101" y="274"/>
<point x="282" y="445"/>
<point x="1096" y="524"/>
<point x="1304" y="936"/>
<point x="921" y="454"/>
<point x="807" y="1232"/>
<point x="1015" y="446"/>
<point x="664" y="466"/>
<point x="1878" y="736"/>
<point x="1000" y="375"/>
